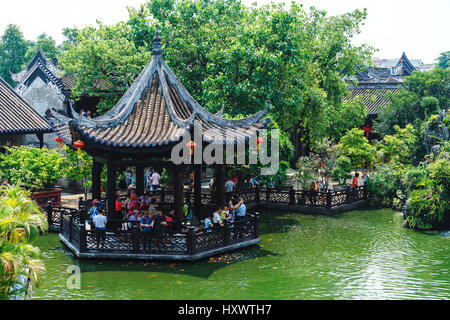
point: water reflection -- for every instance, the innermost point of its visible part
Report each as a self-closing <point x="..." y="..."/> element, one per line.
<point x="356" y="255"/>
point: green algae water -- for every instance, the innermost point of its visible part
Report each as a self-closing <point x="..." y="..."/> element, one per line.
<point x="364" y="254"/>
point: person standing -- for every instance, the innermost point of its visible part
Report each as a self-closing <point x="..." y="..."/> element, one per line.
<point x="364" y="178"/>
<point x="146" y="227"/>
<point x="229" y="188"/>
<point x="100" y="229"/>
<point x="156" y="181"/>
<point x="241" y="210"/>
<point x="355" y="180"/>
<point x="148" y="180"/>
<point x="128" y="177"/>
<point x="159" y="226"/>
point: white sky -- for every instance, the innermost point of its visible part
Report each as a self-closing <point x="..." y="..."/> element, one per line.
<point x="420" y="28"/>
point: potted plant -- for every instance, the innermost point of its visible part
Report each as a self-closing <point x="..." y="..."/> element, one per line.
<point x="36" y="170"/>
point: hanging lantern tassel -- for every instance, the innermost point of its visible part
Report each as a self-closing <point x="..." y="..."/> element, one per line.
<point x="60" y="141"/>
<point x="191" y="145"/>
<point x="79" y="145"/>
<point x="258" y="143"/>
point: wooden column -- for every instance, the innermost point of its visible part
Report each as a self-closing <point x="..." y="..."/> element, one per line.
<point x="40" y="136"/>
<point x="111" y="192"/>
<point x="140" y="180"/>
<point x="178" y="192"/>
<point x="220" y="185"/>
<point x="97" y="168"/>
<point x="198" y="190"/>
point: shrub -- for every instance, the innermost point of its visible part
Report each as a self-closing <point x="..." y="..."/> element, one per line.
<point x="342" y="168"/>
<point x="427" y="209"/>
<point x="383" y="184"/>
<point x="34" y="169"/>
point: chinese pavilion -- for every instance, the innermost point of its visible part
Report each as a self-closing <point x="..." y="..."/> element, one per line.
<point x="148" y="121"/>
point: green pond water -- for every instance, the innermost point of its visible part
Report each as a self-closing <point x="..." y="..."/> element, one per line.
<point x="363" y="254"/>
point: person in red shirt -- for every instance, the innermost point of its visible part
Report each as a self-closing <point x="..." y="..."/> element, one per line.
<point x="355" y="180"/>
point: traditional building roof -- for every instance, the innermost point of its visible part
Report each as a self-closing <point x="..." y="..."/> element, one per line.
<point x="39" y="57"/>
<point x="404" y="67"/>
<point x="374" y="99"/>
<point x="17" y="116"/>
<point x="373" y="83"/>
<point x="45" y="69"/>
<point x="156" y="110"/>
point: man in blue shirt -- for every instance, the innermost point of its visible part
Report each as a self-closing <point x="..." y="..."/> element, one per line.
<point x="241" y="210"/>
<point x="100" y="228"/>
<point x="147" y="227"/>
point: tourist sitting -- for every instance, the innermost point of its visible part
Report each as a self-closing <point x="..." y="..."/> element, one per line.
<point x="119" y="206"/>
<point x="170" y="218"/>
<point x="132" y="188"/>
<point x="208" y="224"/>
<point x="216" y="217"/>
<point x="224" y="213"/>
<point x="188" y="215"/>
<point x="152" y="205"/>
<point x="133" y="219"/>
<point x="313" y="188"/>
<point x="133" y="204"/>
<point x="145" y="201"/>
<point x="100" y="229"/>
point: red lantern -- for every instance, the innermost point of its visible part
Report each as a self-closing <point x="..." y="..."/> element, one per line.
<point x="258" y="142"/>
<point x="79" y="145"/>
<point x="60" y="141"/>
<point x="191" y="145"/>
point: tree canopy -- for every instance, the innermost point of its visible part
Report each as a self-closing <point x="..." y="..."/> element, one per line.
<point x="227" y="54"/>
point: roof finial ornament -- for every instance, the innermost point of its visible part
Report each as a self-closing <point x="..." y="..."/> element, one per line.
<point x="157" y="44"/>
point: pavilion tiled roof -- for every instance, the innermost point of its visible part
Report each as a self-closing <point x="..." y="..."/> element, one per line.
<point x="374" y="99"/>
<point x="17" y="116"/>
<point x="156" y="110"/>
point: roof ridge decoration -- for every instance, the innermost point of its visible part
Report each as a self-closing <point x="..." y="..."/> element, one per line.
<point x="39" y="57"/>
<point x="171" y="106"/>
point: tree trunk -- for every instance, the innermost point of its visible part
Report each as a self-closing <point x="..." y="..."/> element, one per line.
<point x="300" y="141"/>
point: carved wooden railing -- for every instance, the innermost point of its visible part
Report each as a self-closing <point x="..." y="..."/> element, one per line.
<point x="126" y="237"/>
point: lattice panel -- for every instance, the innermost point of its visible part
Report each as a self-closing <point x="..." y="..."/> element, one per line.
<point x="212" y="240"/>
<point x="338" y="198"/>
<point x="119" y="241"/>
<point x="248" y="195"/>
<point x="170" y="244"/>
<point x="75" y="235"/>
<point x="65" y="226"/>
<point x="242" y="230"/>
<point x="279" y="196"/>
